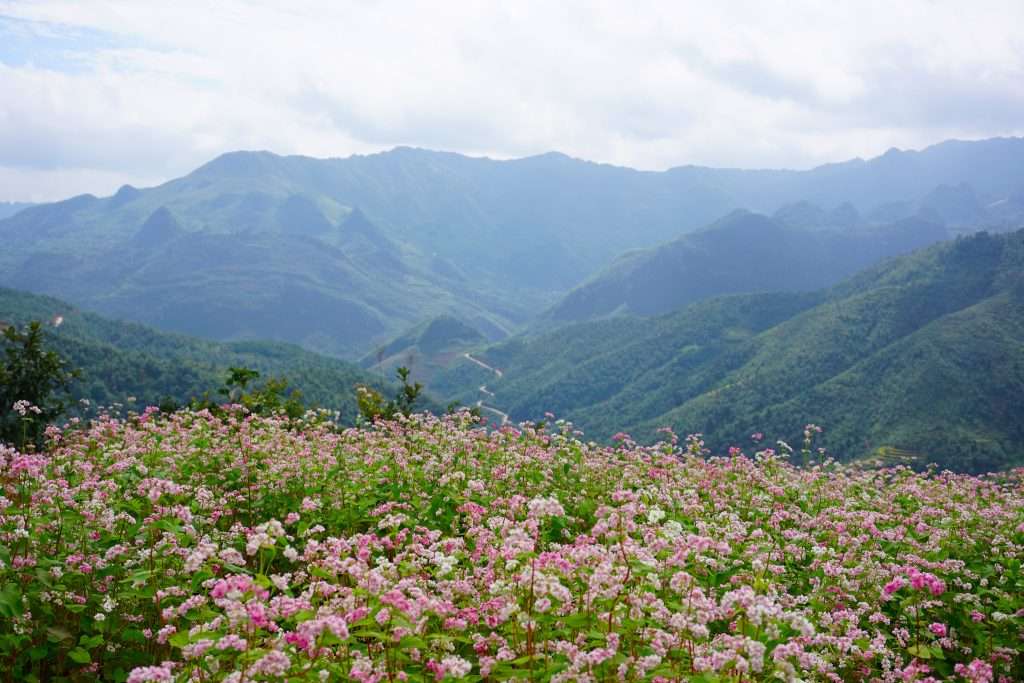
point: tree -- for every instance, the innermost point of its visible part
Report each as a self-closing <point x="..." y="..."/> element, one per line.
<point x="34" y="382"/>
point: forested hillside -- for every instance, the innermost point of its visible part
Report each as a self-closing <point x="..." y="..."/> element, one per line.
<point x="741" y="253"/>
<point x="138" y="366"/>
<point x="923" y="354"/>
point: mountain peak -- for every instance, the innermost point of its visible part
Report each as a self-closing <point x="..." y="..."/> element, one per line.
<point x="242" y="163"/>
<point x="125" y="194"/>
<point x="161" y="227"/>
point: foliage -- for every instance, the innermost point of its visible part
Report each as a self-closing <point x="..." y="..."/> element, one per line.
<point x="197" y="548"/>
<point x="34" y="381"/>
<point x="373" y="406"/>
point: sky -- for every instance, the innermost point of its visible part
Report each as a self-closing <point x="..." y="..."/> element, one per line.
<point x="96" y="94"/>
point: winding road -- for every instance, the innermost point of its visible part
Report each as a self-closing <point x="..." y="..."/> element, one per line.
<point x="487" y="392"/>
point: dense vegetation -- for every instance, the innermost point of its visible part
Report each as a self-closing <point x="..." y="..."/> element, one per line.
<point x="189" y="547"/>
<point x="924" y="354"/>
<point x="138" y="366"/>
<point x="340" y="255"/>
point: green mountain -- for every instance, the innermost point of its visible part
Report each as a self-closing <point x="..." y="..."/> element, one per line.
<point x="341" y="255"/>
<point x="923" y="354"/>
<point x="743" y="252"/>
<point x="121" y="360"/>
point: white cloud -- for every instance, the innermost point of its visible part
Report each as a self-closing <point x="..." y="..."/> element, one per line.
<point x="155" y="89"/>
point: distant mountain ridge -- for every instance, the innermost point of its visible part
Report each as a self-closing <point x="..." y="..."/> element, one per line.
<point x="340" y="255"/>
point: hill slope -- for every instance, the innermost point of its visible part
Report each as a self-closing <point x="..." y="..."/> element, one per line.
<point x="121" y="360"/>
<point x="924" y="353"/>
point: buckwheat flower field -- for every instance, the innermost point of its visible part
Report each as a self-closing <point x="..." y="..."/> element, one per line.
<point x="191" y="547"/>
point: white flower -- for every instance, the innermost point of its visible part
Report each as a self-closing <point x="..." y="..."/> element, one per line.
<point x="672" y="529"/>
<point x="445" y="563"/>
<point x="655" y="515"/>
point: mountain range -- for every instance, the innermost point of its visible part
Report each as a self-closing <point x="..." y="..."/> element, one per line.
<point x="343" y="255"/>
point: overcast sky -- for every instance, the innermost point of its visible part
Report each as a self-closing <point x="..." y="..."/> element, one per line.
<point x="96" y="94"/>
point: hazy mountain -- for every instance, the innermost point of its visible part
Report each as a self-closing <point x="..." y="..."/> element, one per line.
<point x="330" y="285"/>
<point x="342" y="254"/>
<point x="924" y="353"/>
<point x="138" y="366"/>
<point x="11" y="208"/>
<point x="743" y="252"/>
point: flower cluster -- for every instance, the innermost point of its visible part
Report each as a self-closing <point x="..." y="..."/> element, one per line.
<point x="191" y="547"/>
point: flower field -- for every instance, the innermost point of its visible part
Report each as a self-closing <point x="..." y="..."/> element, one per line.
<point x="197" y="548"/>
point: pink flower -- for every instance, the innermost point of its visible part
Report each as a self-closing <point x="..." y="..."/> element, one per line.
<point x="148" y="674"/>
<point x="274" y="663"/>
<point x="975" y="672"/>
<point x="938" y="629"/>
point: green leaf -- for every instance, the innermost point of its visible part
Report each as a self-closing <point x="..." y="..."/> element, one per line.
<point x="409" y="642"/>
<point x="90" y="642"/>
<point x="179" y="639"/>
<point x="80" y="656"/>
<point x="133" y="635"/>
<point x="922" y="651"/>
<point x="10" y="601"/>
